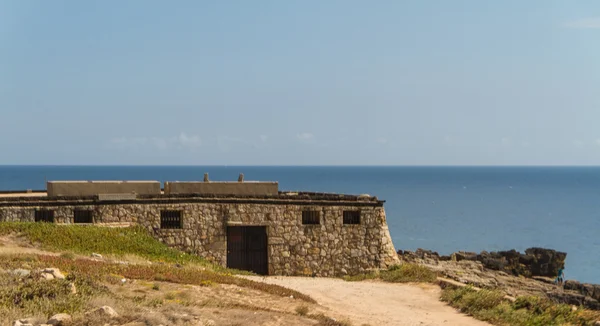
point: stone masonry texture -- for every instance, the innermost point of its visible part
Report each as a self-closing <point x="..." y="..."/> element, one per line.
<point x="330" y="248"/>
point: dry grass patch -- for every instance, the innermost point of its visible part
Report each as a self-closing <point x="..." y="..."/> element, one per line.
<point x="155" y="272"/>
<point x="404" y="273"/>
<point x="490" y="306"/>
<point x="302" y="310"/>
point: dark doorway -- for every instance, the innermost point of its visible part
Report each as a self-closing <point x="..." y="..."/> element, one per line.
<point x="247" y="248"/>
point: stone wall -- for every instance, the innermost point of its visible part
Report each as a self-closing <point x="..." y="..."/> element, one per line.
<point x="327" y="249"/>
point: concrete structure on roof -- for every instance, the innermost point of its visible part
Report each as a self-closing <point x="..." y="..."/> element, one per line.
<point x="92" y="188"/>
<point x="244" y="225"/>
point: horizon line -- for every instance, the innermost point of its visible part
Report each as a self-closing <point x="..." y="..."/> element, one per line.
<point x="300" y="165"/>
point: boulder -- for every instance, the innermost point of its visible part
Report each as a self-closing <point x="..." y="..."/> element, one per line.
<point x="546" y="262"/>
<point x="104" y="311"/>
<point x="59" y="319"/>
<point x="572" y="285"/>
<point x="22" y="322"/>
<point x="596" y="294"/>
<point x="46" y="276"/>
<point x="567" y="298"/>
<point x="424" y="254"/>
<point x="21" y="272"/>
<point x="464" y="255"/>
<point x="590" y="303"/>
<point x="55" y="272"/>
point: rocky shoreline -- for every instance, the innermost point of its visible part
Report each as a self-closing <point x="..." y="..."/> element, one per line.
<point x="515" y="273"/>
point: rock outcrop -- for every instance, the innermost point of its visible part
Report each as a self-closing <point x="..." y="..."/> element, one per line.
<point x="104" y="311"/>
<point x="534" y="262"/>
<point x="59" y="319"/>
<point x="531" y="273"/>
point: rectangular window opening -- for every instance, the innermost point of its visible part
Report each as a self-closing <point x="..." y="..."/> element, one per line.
<point x="83" y="216"/>
<point x="171" y="220"/>
<point x="311" y="217"/>
<point x="44" y="215"/>
<point x="351" y="217"/>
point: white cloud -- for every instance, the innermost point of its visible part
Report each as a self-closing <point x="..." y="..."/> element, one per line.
<point x="225" y="143"/>
<point x="182" y="141"/>
<point x="598" y="141"/>
<point x="577" y="143"/>
<point x="264" y="138"/>
<point x="129" y="142"/>
<point x="160" y="143"/>
<point x="584" y="23"/>
<point x="505" y="141"/>
<point x="525" y="144"/>
<point x="381" y="140"/>
<point x="305" y="136"/>
<point x="189" y="141"/>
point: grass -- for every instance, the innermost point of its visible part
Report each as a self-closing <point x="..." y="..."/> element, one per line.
<point x="489" y="305"/>
<point x="87" y="239"/>
<point x="302" y="310"/>
<point x="151" y="273"/>
<point x="31" y="296"/>
<point x="404" y="273"/>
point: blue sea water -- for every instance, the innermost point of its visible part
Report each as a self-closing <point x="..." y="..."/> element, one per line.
<point x="439" y="208"/>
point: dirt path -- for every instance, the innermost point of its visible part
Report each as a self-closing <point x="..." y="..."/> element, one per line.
<point x="377" y="303"/>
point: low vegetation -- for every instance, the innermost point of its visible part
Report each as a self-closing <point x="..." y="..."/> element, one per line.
<point x="119" y="283"/>
<point x="84" y="239"/>
<point x="302" y="310"/>
<point x="399" y="274"/>
<point x="28" y="296"/>
<point x="490" y="306"/>
<point x="114" y="273"/>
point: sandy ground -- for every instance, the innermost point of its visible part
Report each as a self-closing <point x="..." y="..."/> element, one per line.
<point x="377" y="303"/>
<point x="10" y="245"/>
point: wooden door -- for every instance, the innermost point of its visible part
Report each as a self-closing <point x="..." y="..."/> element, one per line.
<point x="247" y="248"/>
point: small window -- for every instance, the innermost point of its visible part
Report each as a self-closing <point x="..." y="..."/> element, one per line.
<point x="170" y="220"/>
<point x="351" y="217"/>
<point x="83" y="216"/>
<point x="44" y="215"/>
<point x="310" y="217"/>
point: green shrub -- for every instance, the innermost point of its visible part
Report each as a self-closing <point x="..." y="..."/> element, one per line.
<point x="302" y="310"/>
<point x="394" y="267"/>
<point x="33" y="296"/>
<point x="398" y="274"/>
<point x="408" y="273"/>
<point x="68" y="255"/>
<point x="489" y="305"/>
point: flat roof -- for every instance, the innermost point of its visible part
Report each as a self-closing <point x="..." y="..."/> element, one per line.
<point x="40" y="197"/>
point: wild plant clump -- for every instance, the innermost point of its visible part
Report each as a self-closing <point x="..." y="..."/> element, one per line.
<point x="404" y="273"/>
<point x="490" y="306"/>
<point x="33" y="296"/>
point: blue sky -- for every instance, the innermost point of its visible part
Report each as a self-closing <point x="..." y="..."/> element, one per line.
<point x="300" y="82"/>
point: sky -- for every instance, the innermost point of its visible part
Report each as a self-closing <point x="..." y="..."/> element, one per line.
<point x="337" y="82"/>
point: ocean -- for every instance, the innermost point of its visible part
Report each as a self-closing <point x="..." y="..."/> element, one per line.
<point x="444" y="209"/>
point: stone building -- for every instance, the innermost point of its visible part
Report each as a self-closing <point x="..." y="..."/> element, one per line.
<point x="245" y="225"/>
